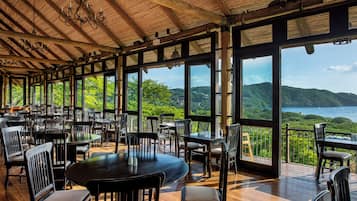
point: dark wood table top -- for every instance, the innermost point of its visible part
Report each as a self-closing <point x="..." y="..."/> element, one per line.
<point x="82" y="139"/>
<point x="115" y="166"/>
<point x="203" y="137"/>
<point x="340" y="142"/>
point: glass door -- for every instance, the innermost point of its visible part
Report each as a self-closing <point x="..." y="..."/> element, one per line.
<point x="254" y="111"/>
<point x="200" y="98"/>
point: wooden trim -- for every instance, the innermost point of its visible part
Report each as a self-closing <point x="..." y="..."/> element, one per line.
<point x="270" y="12"/>
<point x="225" y="34"/>
<point x="173" y="37"/>
<point x="56" y="40"/>
<point x="21" y="58"/>
<point x="184" y="7"/>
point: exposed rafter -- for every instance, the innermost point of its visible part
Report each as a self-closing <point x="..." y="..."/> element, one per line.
<point x="25" y="31"/>
<point x="138" y="30"/>
<point x="223" y="7"/>
<point x="57" y="41"/>
<point x="32" y="59"/>
<point x="183" y="7"/>
<point x="304" y="29"/>
<point x="18" y="68"/>
<point x="13" y="50"/>
<point x="39" y="29"/>
<point x="54" y="27"/>
<point x="107" y="30"/>
<point x="74" y="25"/>
<point x="270" y="12"/>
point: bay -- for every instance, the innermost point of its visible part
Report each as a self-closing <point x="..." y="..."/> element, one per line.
<point x="332" y="112"/>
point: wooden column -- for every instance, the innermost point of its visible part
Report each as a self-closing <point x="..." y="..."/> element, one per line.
<point x="119" y="80"/>
<point x="5" y="90"/>
<point x="225" y="34"/>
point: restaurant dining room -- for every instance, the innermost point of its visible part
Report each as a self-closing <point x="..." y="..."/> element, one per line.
<point x="191" y="100"/>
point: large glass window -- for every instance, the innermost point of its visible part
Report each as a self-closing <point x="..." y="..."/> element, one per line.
<point x="93" y="93"/>
<point x="110" y="92"/>
<point x="58" y="93"/>
<point x="67" y="93"/>
<point x="49" y="94"/>
<point x="17" y="92"/>
<point x="132" y="92"/>
<point x="79" y="85"/>
<point x="257" y="88"/>
<point x="200" y="90"/>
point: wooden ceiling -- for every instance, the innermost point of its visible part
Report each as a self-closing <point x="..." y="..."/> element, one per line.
<point x="125" y="22"/>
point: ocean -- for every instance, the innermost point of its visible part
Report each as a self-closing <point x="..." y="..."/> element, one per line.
<point x="345" y="111"/>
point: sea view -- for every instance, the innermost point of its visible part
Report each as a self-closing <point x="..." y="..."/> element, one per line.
<point x="332" y="112"/>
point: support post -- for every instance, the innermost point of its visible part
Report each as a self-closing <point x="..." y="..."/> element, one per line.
<point x="225" y="34"/>
<point x="287" y="144"/>
<point x="119" y="68"/>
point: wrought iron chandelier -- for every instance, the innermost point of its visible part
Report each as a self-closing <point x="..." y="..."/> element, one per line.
<point x="29" y="45"/>
<point x="69" y="13"/>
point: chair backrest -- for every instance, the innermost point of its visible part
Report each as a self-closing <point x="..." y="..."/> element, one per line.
<point x="232" y="138"/>
<point x="142" y="145"/>
<point x="223" y="172"/>
<point x="319" y="134"/>
<point x="53" y="123"/>
<point x="182" y="128"/>
<point x="59" y="151"/>
<point x="152" y="124"/>
<point x="324" y="195"/>
<point x="123" y="119"/>
<point x="40" y="178"/>
<point x="203" y="126"/>
<point x="338" y="184"/>
<point x="167" y="117"/>
<point x="11" y="142"/>
<point x="81" y="126"/>
<point x="135" y="188"/>
<point x="3" y="123"/>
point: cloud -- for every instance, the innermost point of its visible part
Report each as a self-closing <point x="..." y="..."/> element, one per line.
<point x="343" y="68"/>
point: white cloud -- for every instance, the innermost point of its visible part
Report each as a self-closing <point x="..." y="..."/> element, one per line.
<point x="340" y="68"/>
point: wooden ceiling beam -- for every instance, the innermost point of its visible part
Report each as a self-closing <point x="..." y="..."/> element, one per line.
<point x="172" y="37"/>
<point x="25" y="31"/>
<point x="138" y="30"/>
<point x="18" y="45"/>
<point x="13" y="50"/>
<point x="32" y="59"/>
<point x="270" y="12"/>
<point x="19" y="68"/>
<point x="74" y="25"/>
<point x="183" y="7"/>
<point x="304" y="29"/>
<point x="54" y="27"/>
<point x="106" y="30"/>
<point x="39" y="29"/>
<point x="57" y="41"/>
<point x="223" y="7"/>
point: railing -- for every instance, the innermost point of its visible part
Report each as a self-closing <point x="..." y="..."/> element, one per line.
<point x="298" y="145"/>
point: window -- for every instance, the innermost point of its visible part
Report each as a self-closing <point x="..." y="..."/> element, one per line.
<point x="132" y="92"/>
<point x="200" y="90"/>
<point x="110" y="92"/>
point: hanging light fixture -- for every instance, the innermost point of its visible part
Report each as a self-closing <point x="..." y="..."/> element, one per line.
<point x="69" y="13"/>
<point x="33" y="46"/>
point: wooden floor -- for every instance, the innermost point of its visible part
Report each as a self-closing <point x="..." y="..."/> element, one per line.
<point x="296" y="183"/>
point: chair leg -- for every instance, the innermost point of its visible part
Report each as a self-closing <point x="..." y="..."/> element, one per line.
<point x="318" y="169"/>
<point x="7" y="177"/>
<point x="348" y="162"/>
<point x="235" y="165"/>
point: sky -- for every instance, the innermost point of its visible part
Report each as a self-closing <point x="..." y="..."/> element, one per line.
<point x="331" y="67"/>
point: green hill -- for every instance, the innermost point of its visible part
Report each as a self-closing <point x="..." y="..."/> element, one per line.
<point x="260" y="95"/>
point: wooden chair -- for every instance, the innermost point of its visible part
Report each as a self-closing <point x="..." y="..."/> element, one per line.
<point x="130" y="189"/>
<point x="232" y="140"/>
<point x="13" y="150"/>
<point x="152" y="124"/>
<point x="82" y="126"/>
<point x="323" y="154"/>
<point x="203" y="193"/>
<point x="142" y="145"/>
<point x="40" y="177"/>
<point x="338" y="184"/>
<point x="59" y="155"/>
<point x="323" y="196"/>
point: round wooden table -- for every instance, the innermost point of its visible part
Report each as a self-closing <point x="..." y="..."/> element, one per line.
<point x="115" y="166"/>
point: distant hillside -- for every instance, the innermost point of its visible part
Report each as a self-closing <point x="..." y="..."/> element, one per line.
<point x="259" y="95"/>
